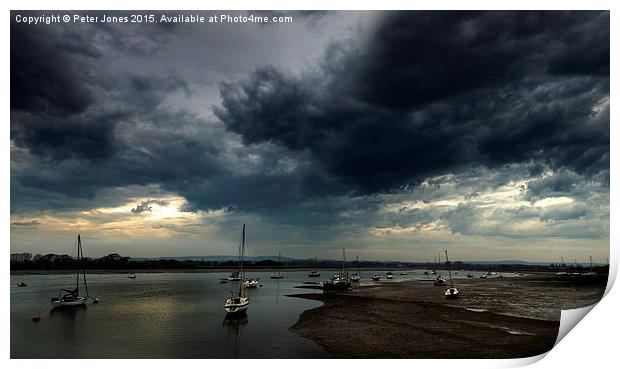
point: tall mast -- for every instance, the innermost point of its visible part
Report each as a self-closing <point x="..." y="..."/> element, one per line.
<point x="591" y="265"/>
<point x="241" y="286"/>
<point x="358" y="264"/>
<point x="77" y="277"/>
<point x="343" y="260"/>
<point x="279" y="262"/>
<point x="449" y="269"/>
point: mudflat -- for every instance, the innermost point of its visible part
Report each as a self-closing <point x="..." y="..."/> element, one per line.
<point x="495" y="318"/>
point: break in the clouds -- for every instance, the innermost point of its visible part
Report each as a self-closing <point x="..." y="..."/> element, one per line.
<point x="394" y="134"/>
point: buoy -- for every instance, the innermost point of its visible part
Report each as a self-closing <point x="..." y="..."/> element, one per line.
<point x="36" y="318"/>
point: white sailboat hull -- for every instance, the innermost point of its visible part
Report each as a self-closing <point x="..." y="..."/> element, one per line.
<point x="238" y="306"/>
<point x="77" y="302"/>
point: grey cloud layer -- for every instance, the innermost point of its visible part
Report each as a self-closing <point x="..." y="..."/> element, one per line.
<point x="417" y="96"/>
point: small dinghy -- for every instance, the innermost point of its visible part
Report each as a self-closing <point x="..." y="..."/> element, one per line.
<point x="376" y="277"/>
<point x="22" y="284"/>
<point x="131" y="276"/>
<point x="390" y="275"/>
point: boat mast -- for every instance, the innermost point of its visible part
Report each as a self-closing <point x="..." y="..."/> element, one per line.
<point x="591" y="265"/>
<point x="357" y="258"/>
<point x="241" y="286"/>
<point x="449" y="270"/>
<point x="77" y="279"/>
<point x="343" y="261"/>
<point x="279" y="263"/>
<point x="81" y="257"/>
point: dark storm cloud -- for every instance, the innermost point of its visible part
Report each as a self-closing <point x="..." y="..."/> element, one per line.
<point x="428" y="93"/>
<point x="44" y="77"/>
<point x="432" y="92"/>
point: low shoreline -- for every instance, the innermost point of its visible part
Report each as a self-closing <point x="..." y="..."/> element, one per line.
<point x="413" y="319"/>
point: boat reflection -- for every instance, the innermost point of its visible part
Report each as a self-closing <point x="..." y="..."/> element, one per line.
<point x="234" y="325"/>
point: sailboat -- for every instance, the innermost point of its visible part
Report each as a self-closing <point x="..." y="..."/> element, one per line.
<point x="235" y="275"/>
<point x="389" y="275"/>
<point x="72" y="297"/>
<point x="238" y="304"/>
<point x="591" y="273"/>
<point x="439" y="281"/>
<point x="251" y="283"/>
<point x="355" y="277"/>
<point x="452" y="292"/>
<point x="340" y="282"/>
<point x="315" y="272"/>
<point x="278" y="274"/>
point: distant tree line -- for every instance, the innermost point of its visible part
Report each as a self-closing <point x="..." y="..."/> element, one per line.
<point x="26" y="261"/>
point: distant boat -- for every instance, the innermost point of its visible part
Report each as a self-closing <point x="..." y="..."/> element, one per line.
<point x="403" y="273"/>
<point x="234" y="276"/>
<point x="469" y="275"/>
<point x="238" y="304"/>
<point x="340" y="282"/>
<point x="315" y="272"/>
<point x="390" y="275"/>
<point x="131" y="276"/>
<point x="73" y="297"/>
<point x="22" y="284"/>
<point x="483" y="276"/>
<point x="440" y="281"/>
<point x="355" y="277"/>
<point x="452" y="292"/>
<point x="251" y="283"/>
<point x="278" y="274"/>
<point x="376" y="277"/>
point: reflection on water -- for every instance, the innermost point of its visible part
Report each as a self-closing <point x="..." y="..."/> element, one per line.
<point x="234" y="325"/>
<point x="159" y="315"/>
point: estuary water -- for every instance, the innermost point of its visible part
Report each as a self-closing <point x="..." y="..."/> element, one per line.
<point x="159" y="315"/>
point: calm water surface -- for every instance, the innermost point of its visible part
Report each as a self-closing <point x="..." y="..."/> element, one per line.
<point x="158" y="315"/>
<point x="168" y="315"/>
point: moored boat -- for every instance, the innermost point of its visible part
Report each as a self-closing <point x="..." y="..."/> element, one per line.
<point x="315" y="273"/>
<point x="278" y="274"/>
<point x="238" y="304"/>
<point x="72" y="297"/>
<point x="251" y="283"/>
<point x="355" y="277"/>
<point x="340" y="282"/>
<point x="452" y="292"/>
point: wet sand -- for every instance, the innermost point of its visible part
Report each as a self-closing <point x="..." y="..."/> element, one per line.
<point x="495" y="318"/>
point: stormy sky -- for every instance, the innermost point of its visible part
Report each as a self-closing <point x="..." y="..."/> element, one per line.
<point x="394" y="134"/>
